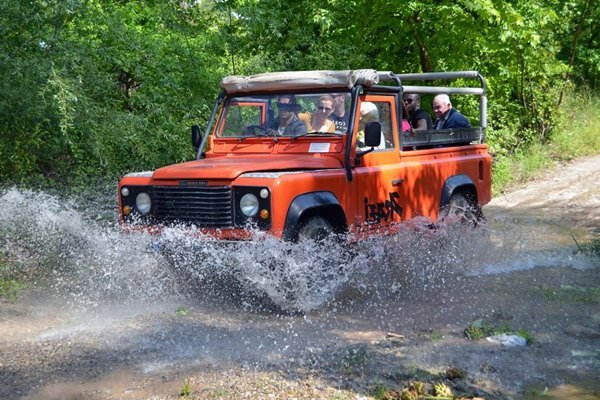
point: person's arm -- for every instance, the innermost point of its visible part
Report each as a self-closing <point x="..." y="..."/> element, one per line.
<point x="421" y="125"/>
<point x="299" y="128"/>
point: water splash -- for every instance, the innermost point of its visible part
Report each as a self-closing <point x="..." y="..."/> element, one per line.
<point x="291" y="276"/>
<point x="70" y="256"/>
<point x="86" y="261"/>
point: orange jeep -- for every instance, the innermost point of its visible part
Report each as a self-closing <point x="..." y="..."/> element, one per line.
<point x="269" y="160"/>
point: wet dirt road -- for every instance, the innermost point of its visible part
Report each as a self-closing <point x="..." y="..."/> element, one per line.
<point x="125" y="329"/>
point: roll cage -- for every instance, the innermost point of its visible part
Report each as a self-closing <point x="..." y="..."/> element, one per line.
<point x="358" y="82"/>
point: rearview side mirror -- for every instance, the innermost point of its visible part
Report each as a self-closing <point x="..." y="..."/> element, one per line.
<point x="373" y="134"/>
<point x="196" y="137"/>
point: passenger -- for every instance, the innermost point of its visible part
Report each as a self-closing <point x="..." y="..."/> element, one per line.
<point x="320" y="121"/>
<point x="339" y="115"/>
<point x="287" y="122"/>
<point x="447" y="117"/>
<point x="368" y="113"/>
<point x="406" y="126"/>
<point x="418" y="118"/>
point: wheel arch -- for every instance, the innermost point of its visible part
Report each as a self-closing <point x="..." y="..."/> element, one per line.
<point x="307" y="205"/>
<point x="461" y="184"/>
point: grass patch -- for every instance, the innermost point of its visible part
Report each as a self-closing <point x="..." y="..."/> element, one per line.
<point x="576" y="135"/>
<point x="181" y="311"/>
<point x="353" y="361"/>
<point x="10" y="283"/>
<point x="591" y="248"/>
<point x="186" y="389"/>
<point x="575" y="294"/>
<point x="417" y="390"/>
<point x="480" y="329"/>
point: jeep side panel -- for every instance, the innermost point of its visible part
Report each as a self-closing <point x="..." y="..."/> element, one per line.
<point x="396" y="185"/>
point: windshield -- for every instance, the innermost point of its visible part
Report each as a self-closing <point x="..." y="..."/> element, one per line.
<point x="286" y="114"/>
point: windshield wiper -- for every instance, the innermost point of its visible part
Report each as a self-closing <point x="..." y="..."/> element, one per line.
<point x="316" y="133"/>
<point x="258" y="131"/>
<point x="302" y="134"/>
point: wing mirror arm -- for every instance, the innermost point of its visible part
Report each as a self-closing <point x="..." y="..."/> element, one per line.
<point x="360" y="154"/>
<point x="372" y="138"/>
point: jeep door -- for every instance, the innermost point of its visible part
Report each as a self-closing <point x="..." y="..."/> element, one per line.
<point x="379" y="179"/>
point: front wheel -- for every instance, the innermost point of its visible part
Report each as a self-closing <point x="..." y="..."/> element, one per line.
<point x="315" y="273"/>
<point x="317" y="229"/>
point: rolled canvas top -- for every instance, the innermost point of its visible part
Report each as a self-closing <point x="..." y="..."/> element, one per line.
<point x="298" y="80"/>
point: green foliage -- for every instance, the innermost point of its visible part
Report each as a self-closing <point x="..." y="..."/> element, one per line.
<point x="181" y="311"/>
<point x="97" y="89"/>
<point x="577" y="131"/>
<point x="10" y="282"/>
<point x="354" y="361"/>
<point x="575" y="294"/>
<point x="576" y="135"/>
<point x="480" y="329"/>
<point x="186" y="389"/>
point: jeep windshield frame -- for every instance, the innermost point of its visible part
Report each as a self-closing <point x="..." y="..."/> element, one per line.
<point x="291" y="114"/>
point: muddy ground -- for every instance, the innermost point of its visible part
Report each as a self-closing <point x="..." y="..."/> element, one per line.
<point x="532" y="269"/>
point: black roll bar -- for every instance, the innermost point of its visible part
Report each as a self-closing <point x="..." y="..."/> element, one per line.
<point x="200" y="154"/>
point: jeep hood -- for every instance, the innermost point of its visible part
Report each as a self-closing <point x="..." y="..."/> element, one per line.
<point x="230" y="167"/>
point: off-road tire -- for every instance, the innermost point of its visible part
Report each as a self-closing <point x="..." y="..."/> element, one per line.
<point x="461" y="209"/>
<point x="315" y="228"/>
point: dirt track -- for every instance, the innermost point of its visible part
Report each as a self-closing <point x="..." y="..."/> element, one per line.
<point x="527" y="270"/>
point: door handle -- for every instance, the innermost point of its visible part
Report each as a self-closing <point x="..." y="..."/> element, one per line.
<point x="397" y="182"/>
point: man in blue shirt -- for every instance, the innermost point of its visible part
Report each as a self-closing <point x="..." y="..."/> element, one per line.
<point x="447" y="117"/>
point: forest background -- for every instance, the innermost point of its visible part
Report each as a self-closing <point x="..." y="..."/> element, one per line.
<point x="93" y="89"/>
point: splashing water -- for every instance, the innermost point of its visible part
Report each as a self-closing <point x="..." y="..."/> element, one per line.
<point x="87" y="263"/>
<point x="293" y="276"/>
<point x="74" y="258"/>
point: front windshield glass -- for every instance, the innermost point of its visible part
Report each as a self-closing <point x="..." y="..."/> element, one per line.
<point x="285" y="114"/>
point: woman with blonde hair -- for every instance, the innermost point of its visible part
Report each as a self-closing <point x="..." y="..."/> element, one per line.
<point x="319" y="121"/>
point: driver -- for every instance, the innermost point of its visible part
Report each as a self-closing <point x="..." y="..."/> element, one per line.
<point x="287" y="122"/>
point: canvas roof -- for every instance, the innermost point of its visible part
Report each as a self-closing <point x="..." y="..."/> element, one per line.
<point x="299" y="80"/>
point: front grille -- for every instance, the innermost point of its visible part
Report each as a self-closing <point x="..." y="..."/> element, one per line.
<point x="207" y="206"/>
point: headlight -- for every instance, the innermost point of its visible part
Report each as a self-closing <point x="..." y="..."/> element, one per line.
<point x="124" y="191"/>
<point x="249" y="205"/>
<point x="143" y="203"/>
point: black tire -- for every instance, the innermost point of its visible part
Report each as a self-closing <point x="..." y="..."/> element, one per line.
<point x="313" y="231"/>
<point x="461" y="209"/>
<point x="317" y="229"/>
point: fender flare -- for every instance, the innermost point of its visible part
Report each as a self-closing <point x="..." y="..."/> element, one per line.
<point x="457" y="183"/>
<point x="309" y="204"/>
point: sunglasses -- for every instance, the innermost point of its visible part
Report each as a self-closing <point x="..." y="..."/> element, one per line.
<point x="323" y="108"/>
<point x="408" y="100"/>
<point x="288" y="107"/>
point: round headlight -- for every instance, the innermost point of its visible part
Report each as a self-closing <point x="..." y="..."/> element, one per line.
<point x="249" y="205"/>
<point x="143" y="203"/>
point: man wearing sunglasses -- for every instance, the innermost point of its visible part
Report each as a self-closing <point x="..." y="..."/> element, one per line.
<point x="287" y="122"/>
<point x="419" y="119"/>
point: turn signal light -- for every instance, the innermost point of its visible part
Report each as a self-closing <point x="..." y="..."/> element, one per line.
<point x="264" y="214"/>
<point x="126" y="210"/>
